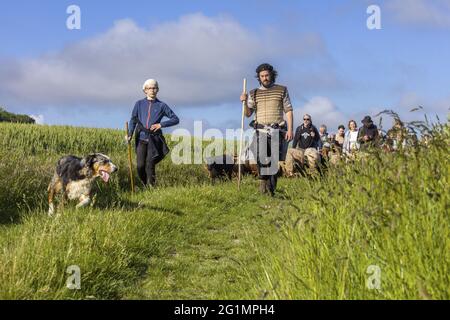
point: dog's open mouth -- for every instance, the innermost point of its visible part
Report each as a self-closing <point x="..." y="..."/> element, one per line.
<point x="104" y="175"/>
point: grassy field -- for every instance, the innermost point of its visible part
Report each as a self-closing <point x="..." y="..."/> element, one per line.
<point x="189" y="240"/>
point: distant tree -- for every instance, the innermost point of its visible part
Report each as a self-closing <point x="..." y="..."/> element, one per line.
<point x="6" y="116"/>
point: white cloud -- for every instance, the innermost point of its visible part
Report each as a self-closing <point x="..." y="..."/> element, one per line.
<point x="434" y="13"/>
<point x="322" y="111"/>
<point x="410" y="100"/>
<point x="407" y="107"/>
<point x="198" y="60"/>
<point x="38" y="118"/>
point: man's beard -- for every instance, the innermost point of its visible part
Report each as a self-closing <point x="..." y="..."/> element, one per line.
<point x="267" y="84"/>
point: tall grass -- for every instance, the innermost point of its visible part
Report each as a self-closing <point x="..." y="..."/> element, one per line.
<point x="391" y="212"/>
<point x="36" y="255"/>
<point x="28" y="155"/>
<point x="187" y="239"/>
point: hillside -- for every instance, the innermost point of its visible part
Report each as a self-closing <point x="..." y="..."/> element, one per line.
<point x="6" y="116"/>
<point x="317" y="239"/>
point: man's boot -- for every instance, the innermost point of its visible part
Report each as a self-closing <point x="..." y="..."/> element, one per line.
<point x="272" y="185"/>
<point x="263" y="186"/>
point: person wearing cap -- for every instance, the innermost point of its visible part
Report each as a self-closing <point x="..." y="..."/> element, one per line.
<point x="270" y="103"/>
<point x="146" y="119"/>
<point x="368" y="135"/>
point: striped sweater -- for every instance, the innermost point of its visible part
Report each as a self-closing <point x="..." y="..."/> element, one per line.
<point x="270" y="104"/>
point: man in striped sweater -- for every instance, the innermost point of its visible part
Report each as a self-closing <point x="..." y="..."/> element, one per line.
<point x="271" y="105"/>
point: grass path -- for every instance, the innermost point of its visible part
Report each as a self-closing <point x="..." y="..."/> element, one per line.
<point x="212" y="250"/>
<point x="212" y="242"/>
<point x="187" y="239"/>
<point x="314" y="240"/>
<point x="170" y="243"/>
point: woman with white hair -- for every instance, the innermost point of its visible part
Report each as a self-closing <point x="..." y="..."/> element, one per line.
<point x="146" y="118"/>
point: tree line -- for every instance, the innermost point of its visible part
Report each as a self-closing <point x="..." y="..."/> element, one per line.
<point x="6" y="116"/>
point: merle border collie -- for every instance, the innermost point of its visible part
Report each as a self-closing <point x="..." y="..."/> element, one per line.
<point x="75" y="176"/>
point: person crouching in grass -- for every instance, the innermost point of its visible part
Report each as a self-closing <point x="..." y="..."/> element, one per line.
<point x="304" y="148"/>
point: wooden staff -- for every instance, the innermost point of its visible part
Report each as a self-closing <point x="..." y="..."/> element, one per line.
<point x="130" y="163"/>
<point x="242" y="135"/>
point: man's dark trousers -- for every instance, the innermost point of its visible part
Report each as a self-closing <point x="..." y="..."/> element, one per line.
<point x="264" y="165"/>
<point x="146" y="167"/>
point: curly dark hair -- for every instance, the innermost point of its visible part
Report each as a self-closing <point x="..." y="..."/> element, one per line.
<point x="266" y="67"/>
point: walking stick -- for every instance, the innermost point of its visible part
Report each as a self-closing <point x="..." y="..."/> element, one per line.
<point x="242" y="135"/>
<point x="130" y="163"/>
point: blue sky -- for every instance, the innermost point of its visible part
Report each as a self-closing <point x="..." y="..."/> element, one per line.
<point x="334" y="66"/>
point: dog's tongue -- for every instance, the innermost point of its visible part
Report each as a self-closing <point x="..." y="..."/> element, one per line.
<point x="105" y="176"/>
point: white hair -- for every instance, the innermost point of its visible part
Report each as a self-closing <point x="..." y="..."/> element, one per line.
<point x="150" y="82"/>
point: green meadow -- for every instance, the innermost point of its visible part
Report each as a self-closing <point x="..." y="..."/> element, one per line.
<point x="373" y="229"/>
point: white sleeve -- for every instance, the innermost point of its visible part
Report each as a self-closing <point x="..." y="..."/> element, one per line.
<point x="250" y="102"/>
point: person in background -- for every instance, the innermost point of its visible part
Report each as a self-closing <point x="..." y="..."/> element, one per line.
<point x="368" y="136"/>
<point x="305" y="145"/>
<point x="351" y="144"/>
<point x="323" y="136"/>
<point x="336" y="144"/>
<point x="396" y="137"/>
<point x="340" y="136"/>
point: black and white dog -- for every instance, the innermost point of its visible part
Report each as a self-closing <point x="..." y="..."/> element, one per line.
<point x="74" y="178"/>
<point x="220" y="166"/>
